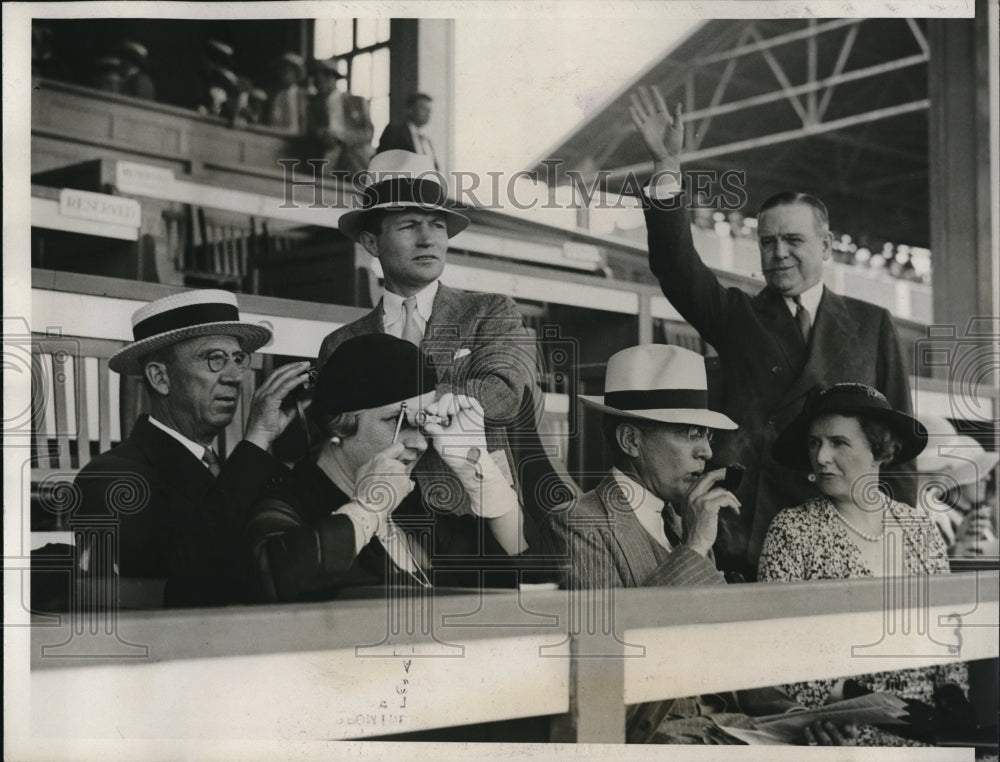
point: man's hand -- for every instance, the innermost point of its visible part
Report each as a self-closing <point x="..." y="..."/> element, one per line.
<point x="381" y="484"/>
<point x="700" y="511"/>
<point x="663" y="133"/>
<point x="266" y="419"/>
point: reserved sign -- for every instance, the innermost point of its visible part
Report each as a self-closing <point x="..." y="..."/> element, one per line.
<point x="99" y="207"/>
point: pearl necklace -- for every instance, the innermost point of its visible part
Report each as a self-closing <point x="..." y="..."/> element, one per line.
<point x="858" y="532"/>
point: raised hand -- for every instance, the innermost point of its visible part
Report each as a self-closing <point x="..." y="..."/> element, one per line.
<point x="700" y="510"/>
<point x="266" y="418"/>
<point x="662" y="132"/>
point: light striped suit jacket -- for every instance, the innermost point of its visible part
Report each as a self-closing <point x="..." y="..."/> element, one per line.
<point x="604" y="545"/>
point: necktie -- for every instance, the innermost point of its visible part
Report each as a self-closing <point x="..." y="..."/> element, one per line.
<point x="210" y="459"/>
<point x="668" y="529"/>
<point x="411" y="331"/>
<point x="802" y="318"/>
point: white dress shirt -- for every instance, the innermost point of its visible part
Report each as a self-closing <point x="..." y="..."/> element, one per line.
<point x="648" y="507"/>
<point x="810" y="300"/>
<point x="394" y="316"/>
<point x="196" y="449"/>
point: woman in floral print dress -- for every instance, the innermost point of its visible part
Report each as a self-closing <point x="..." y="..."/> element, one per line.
<point x="844" y="435"/>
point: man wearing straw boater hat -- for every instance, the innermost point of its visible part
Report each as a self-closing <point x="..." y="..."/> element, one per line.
<point x="185" y="514"/>
<point x="477" y="341"/>
<point x="654" y="517"/>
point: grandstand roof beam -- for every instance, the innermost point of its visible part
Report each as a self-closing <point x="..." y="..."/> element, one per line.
<point x="821" y="84"/>
<point x="767" y="43"/>
<point x="782" y="137"/>
<point x="787" y="87"/>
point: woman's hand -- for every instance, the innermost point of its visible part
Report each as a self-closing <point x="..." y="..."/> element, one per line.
<point x="462" y="440"/>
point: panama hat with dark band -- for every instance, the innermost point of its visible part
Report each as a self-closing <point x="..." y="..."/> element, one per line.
<point x="402" y="180"/>
<point x="174" y="318"/>
<point x="658" y="382"/>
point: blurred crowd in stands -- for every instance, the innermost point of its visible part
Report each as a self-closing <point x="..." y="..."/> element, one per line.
<point x="298" y="98"/>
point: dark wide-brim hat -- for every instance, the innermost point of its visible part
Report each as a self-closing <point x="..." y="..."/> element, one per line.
<point x="402" y="180"/>
<point x="370" y="371"/>
<point x="853" y="400"/>
<point x="174" y="318"/>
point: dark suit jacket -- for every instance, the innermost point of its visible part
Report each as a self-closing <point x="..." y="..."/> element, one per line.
<point x="301" y="550"/>
<point x="396" y="137"/>
<point x="767" y="371"/>
<point x="174" y="520"/>
<point x="604" y="545"/>
<point x="499" y="368"/>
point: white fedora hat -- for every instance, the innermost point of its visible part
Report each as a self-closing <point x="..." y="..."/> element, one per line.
<point x="202" y="312"/>
<point x="402" y="180"/>
<point x="658" y="382"/>
<point x="953" y="455"/>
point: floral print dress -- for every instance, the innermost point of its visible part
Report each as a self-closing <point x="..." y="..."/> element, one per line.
<point x="811" y="542"/>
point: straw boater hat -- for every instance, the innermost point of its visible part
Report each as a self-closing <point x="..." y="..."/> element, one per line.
<point x="952" y="454"/>
<point x="658" y="382"/>
<point x="203" y="312"/>
<point x="402" y="180"/>
<point x="858" y="400"/>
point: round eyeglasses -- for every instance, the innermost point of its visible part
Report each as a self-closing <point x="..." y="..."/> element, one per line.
<point x="218" y="360"/>
<point x="697" y="433"/>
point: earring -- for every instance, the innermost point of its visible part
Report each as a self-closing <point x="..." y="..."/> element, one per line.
<point x="811" y="477"/>
<point x="335" y="441"/>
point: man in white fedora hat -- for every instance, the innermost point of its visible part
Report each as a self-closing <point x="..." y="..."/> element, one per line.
<point x="477" y="341"/>
<point x="654" y="517"/>
<point x="184" y="518"/>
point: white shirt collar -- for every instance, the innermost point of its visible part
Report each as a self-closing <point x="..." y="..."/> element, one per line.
<point x="392" y="304"/>
<point x="648" y="507"/>
<point x="196" y="449"/>
<point x="810" y="300"/>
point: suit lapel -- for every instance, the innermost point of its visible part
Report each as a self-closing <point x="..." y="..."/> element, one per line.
<point x="180" y="468"/>
<point x="780" y="324"/>
<point x="640" y="552"/>
<point x="832" y="332"/>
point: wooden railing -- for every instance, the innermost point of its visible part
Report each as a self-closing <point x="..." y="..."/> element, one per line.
<point x="355" y="668"/>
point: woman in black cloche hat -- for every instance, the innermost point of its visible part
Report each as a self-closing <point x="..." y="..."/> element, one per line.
<point x="352" y="515"/>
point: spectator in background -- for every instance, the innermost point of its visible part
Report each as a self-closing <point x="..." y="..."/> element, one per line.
<point x="220" y="89"/>
<point x="257" y="106"/>
<point x="239" y="109"/>
<point x="288" y="101"/>
<point x="410" y="136"/>
<point x="108" y="74"/>
<point x="135" y="63"/>
<point x="339" y="122"/>
<point x="954" y="473"/>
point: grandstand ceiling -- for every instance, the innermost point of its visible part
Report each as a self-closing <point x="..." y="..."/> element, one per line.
<point x="833" y="107"/>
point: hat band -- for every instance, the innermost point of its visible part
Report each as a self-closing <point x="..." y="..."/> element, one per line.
<point x="658" y="399"/>
<point x="185" y="317"/>
<point x="405" y="190"/>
